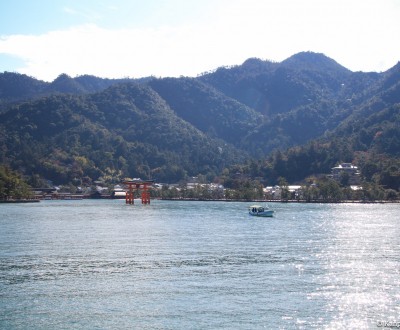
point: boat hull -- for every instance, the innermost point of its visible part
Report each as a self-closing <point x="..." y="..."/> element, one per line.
<point x="262" y="214"/>
<point x="260" y="211"/>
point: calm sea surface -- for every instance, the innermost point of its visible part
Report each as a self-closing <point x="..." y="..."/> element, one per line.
<point x="198" y="265"/>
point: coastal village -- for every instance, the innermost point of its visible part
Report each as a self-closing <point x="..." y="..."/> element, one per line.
<point x="345" y="173"/>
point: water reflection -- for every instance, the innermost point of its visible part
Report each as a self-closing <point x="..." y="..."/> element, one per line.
<point x="360" y="258"/>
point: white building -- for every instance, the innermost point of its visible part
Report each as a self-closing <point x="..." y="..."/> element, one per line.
<point x="275" y="192"/>
<point x="349" y="169"/>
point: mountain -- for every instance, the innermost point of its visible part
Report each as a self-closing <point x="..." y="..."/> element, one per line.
<point x="300" y="98"/>
<point x="15" y="87"/>
<point x="126" y="129"/>
<point x="274" y="88"/>
<point x="315" y="62"/>
<point x="375" y="124"/>
<point x="207" y="109"/>
<point x="369" y="137"/>
<point x="309" y="108"/>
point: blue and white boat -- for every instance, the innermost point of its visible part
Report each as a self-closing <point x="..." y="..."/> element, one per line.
<point x="260" y="211"/>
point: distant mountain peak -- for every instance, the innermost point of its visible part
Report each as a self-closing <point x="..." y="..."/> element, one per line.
<point x="312" y="60"/>
<point x="255" y="63"/>
<point x="62" y="76"/>
<point x="65" y="84"/>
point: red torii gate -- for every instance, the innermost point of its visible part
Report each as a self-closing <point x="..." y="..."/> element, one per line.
<point x="138" y="184"/>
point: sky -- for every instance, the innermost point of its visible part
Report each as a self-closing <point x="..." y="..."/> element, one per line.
<point x="172" y="38"/>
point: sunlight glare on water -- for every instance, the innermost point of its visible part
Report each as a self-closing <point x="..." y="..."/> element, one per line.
<point x="359" y="259"/>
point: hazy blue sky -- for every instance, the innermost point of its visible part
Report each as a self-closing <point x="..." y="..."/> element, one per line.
<point x="131" y="38"/>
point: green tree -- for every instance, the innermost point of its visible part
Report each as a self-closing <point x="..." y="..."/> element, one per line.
<point x="284" y="185"/>
<point x="344" y="179"/>
<point x="391" y="195"/>
<point x="12" y="186"/>
<point x="310" y="192"/>
<point x="330" y="190"/>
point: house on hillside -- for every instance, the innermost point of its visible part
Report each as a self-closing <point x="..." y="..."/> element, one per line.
<point x="348" y="172"/>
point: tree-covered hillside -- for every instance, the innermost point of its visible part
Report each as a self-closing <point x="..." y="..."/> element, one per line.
<point x="369" y="137"/>
<point x="291" y="119"/>
<point x="276" y="88"/>
<point x="15" y="87"/>
<point x="301" y="98"/>
<point x="126" y="130"/>
<point x="208" y="109"/>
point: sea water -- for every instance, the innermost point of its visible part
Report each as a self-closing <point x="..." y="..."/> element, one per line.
<point x="102" y="264"/>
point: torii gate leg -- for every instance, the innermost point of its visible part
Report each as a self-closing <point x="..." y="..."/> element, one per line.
<point x="129" y="196"/>
<point x="145" y="195"/>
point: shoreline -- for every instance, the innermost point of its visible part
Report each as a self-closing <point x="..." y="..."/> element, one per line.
<point x="281" y="201"/>
<point x="294" y="201"/>
<point x="18" y="201"/>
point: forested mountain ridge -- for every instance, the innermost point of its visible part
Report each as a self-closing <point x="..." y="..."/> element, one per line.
<point x="126" y="129"/>
<point x="375" y="124"/>
<point x="81" y="129"/>
<point x="301" y="98"/>
<point x="369" y="136"/>
<point x="275" y="88"/>
<point x="207" y="109"/>
<point x="16" y="87"/>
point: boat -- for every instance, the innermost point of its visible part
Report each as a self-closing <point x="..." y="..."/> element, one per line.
<point x="260" y="211"/>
